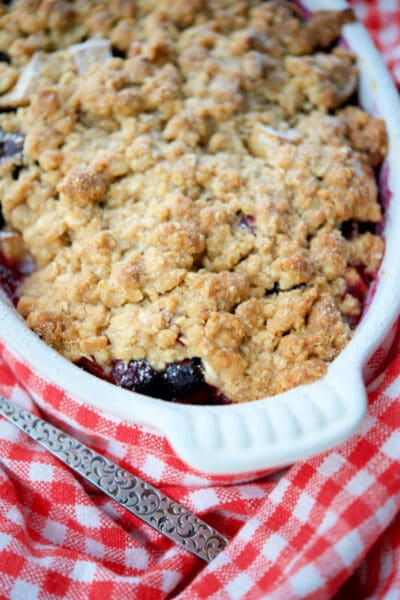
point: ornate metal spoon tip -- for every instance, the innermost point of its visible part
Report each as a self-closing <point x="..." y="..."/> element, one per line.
<point x="138" y="497"/>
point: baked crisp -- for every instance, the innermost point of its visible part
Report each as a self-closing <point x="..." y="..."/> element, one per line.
<point x="196" y="186"/>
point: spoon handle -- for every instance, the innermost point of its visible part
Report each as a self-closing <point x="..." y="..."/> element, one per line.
<point x="133" y="493"/>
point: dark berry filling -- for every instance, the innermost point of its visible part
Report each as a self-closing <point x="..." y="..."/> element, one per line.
<point x="94" y="368"/>
<point x="178" y="382"/>
<point x="118" y="53"/>
<point x="10" y="282"/>
<point x="277" y="288"/>
<point x="357" y="287"/>
<point x="4" y="57"/>
<point x="183" y="378"/>
<point x="11" y="277"/>
<point x="138" y="376"/>
<point x="247" y="221"/>
<point x="351" y="229"/>
<point x="11" y="145"/>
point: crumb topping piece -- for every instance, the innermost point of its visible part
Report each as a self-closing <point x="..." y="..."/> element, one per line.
<point x="185" y="171"/>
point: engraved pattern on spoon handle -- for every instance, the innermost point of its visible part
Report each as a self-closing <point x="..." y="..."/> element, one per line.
<point x="137" y="496"/>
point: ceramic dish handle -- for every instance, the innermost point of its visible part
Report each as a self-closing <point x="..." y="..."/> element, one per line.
<point x="283" y="428"/>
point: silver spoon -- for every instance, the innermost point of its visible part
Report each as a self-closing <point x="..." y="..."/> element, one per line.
<point x="138" y="497"/>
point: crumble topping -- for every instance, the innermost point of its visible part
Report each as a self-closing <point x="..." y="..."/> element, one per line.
<point x="190" y="186"/>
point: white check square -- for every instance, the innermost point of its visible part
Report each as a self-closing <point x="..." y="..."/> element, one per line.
<point x="239" y="586"/>
<point x="306" y="581"/>
<point x="273" y="546"/>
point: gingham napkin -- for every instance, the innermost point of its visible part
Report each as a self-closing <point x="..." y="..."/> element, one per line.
<point x="328" y="527"/>
<point x="382" y="19"/>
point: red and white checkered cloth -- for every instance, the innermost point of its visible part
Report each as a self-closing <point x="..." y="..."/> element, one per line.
<point x="328" y="527"/>
<point x="382" y="19"/>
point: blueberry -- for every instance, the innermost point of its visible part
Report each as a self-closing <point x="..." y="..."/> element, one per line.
<point x="137" y="375"/>
<point x="183" y="378"/>
<point x="179" y="382"/>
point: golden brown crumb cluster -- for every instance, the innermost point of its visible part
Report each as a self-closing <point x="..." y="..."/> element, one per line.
<point x="186" y="172"/>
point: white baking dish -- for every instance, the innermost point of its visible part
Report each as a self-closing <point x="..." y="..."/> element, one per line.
<point x="256" y="436"/>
